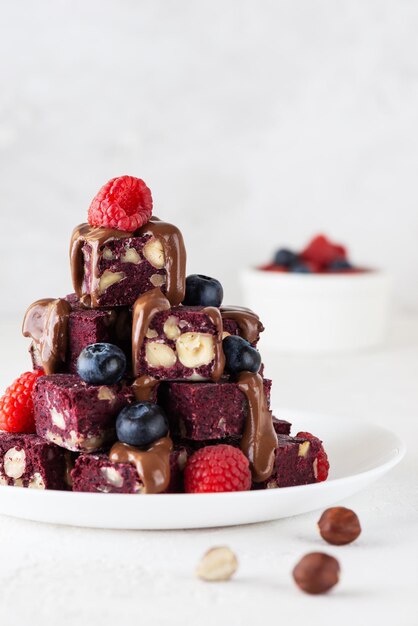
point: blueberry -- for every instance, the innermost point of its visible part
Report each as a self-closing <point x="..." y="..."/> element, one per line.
<point x="141" y="424"/>
<point x="340" y="264"/>
<point x="101" y="364"/>
<point x="300" y="268"/>
<point x="285" y="257"/>
<point x="240" y="356"/>
<point x="203" y="291"/>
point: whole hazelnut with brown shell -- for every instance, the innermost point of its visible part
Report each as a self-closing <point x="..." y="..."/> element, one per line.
<point x="339" y="526"/>
<point x="316" y="573"/>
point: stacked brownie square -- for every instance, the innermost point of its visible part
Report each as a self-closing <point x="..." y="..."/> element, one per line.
<point x="131" y="292"/>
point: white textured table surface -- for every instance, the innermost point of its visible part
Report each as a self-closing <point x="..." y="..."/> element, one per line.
<point x="51" y="574"/>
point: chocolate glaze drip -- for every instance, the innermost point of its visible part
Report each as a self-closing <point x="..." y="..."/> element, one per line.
<point x="46" y="322"/>
<point x="214" y="315"/>
<point x="174" y="253"/>
<point x="143" y="388"/>
<point x="152" y="465"/>
<point x="248" y="322"/>
<point x="96" y="238"/>
<point x="259" y="440"/>
<point x="145" y="307"/>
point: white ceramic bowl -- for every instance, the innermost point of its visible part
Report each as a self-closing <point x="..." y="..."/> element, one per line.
<point x="319" y="313"/>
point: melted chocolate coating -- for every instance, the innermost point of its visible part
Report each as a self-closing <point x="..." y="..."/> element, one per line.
<point x="46" y="322"/>
<point x="145" y="307"/>
<point x="96" y="238"/>
<point x="214" y="315"/>
<point x="174" y="253"/>
<point x="152" y="465"/>
<point x="143" y="388"/>
<point x="248" y="322"/>
<point x="175" y="256"/>
<point x="259" y="440"/>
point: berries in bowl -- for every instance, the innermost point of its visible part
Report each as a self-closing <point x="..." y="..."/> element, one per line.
<point x="318" y="300"/>
<point x="320" y="256"/>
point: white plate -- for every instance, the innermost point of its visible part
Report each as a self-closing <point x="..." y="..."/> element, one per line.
<point x="359" y="453"/>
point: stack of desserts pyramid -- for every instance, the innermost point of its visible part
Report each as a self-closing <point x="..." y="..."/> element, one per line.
<point x="143" y="382"/>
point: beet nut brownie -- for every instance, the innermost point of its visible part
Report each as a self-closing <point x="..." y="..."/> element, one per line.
<point x="29" y="461"/>
<point x="75" y="415"/>
<point x="205" y="411"/>
<point x="82" y="328"/>
<point x="97" y="473"/>
<point x="180" y="344"/>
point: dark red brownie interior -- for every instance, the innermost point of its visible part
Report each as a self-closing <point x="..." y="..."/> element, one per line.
<point x="282" y="427"/>
<point x="87" y="326"/>
<point x="183" y="320"/>
<point x="138" y="277"/>
<point x="294" y="462"/>
<point x="76" y="415"/>
<point x="205" y="411"/>
<point x="97" y="473"/>
<point x="29" y="461"/>
<point x="169" y="328"/>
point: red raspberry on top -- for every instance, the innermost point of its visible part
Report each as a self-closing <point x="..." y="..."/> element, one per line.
<point x="124" y="203"/>
<point x="322" y="463"/>
<point x="322" y="251"/>
<point x="16" y="406"/>
<point x="217" y="468"/>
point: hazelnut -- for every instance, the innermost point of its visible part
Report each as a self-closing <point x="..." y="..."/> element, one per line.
<point x="108" y="279"/>
<point x="75" y="442"/>
<point x="112" y="476"/>
<point x="108" y="254"/>
<point x="151" y="334"/>
<point x="57" y="418"/>
<point x="171" y="330"/>
<point x="36" y="481"/>
<point x="158" y="280"/>
<point x="316" y="573"/>
<point x="159" y="355"/>
<point x="217" y="564"/>
<point x="182" y="460"/>
<point x="339" y="526"/>
<point x="304" y="448"/>
<point x="14" y="463"/>
<point x="105" y="393"/>
<point x="153" y="251"/>
<point x="131" y="256"/>
<point x="195" y="349"/>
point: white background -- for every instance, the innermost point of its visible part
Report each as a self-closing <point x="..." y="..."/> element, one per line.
<point x="256" y="124"/>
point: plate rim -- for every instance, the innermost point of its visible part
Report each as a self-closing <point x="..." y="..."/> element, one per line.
<point x="399" y="451"/>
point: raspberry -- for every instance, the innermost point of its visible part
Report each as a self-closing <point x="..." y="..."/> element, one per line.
<point x="314" y="267"/>
<point x="124" y="203"/>
<point x="271" y="267"/>
<point x="322" y="251"/>
<point x="16" y="406"/>
<point x="322" y="463"/>
<point x="217" y="468"/>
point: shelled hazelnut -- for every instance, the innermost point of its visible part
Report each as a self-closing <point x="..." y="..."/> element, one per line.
<point x="217" y="564"/>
